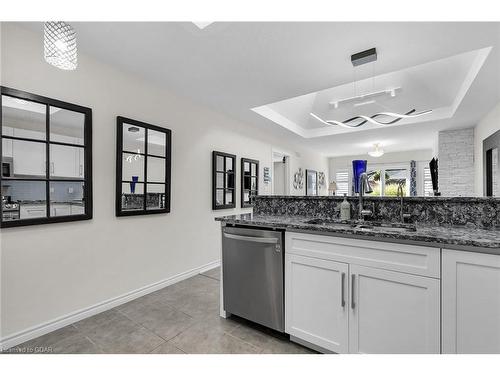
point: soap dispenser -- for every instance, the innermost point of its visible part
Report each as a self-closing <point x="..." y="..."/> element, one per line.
<point x="345" y="209"/>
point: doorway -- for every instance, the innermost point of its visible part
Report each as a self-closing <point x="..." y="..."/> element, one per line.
<point x="281" y="185"/>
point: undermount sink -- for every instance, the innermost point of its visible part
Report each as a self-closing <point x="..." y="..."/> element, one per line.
<point x="387" y="228"/>
<point x="372" y="226"/>
<point x="331" y="222"/>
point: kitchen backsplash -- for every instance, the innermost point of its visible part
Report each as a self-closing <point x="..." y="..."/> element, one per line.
<point x="477" y="212"/>
<point x="65" y="191"/>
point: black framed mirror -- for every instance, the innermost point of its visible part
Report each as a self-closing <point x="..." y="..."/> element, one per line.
<point x="249" y="181"/>
<point x="143" y="162"/>
<point x="491" y="165"/>
<point x="223" y="180"/>
<point x="46" y="160"/>
<point x="311" y="182"/>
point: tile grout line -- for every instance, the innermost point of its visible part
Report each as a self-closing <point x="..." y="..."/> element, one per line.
<point x="245" y="342"/>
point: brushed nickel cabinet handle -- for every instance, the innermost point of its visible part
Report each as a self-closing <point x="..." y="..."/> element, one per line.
<point x="353" y="278"/>
<point x="342" y="289"/>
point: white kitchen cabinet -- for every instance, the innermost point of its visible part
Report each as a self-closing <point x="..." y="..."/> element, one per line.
<point x="28" y="158"/>
<point x="391" y="294"/>
<point x="393" y="312"/>
<point x="471" y="302"/>
<point x="77" y="209"/>
<point x="32" y="211"/>
<point x="66" y="161"/>
<point x="6" y="147"/>
<point x="60" y="209"/>
<point x="316" y="301"/>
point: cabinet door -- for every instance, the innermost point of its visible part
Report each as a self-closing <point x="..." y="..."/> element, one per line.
<point x="63" y="161"/>
<point x="393" y="312"/>
<point x="32" y="211"/>
<point x="77" y="209"/>
<point x="316" y="301"/>
<point x="471" y="302"/>
<point x="60" y="210"/>
<point x="6" y="147"/>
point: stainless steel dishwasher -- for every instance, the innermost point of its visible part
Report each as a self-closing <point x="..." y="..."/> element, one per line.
<point x="252" y="269"/>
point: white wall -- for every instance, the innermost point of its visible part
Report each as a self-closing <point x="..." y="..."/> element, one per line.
<point x="486" y="127"/>
<point x="51" y="270"/>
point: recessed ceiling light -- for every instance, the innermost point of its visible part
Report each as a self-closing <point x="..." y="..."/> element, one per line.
<point x="377" y="152"/>
<point x="202" y="25"/>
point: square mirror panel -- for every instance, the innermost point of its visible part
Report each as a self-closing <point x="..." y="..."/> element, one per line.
<point x="223" y="180"/>
<point x="66" y="126"/>
<point x="46" y="160"/>
<point x="249" y="181"/>
<point x="143" y="168"/>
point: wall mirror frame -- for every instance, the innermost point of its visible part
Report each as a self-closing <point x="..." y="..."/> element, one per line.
<point x="143" y="168"/>
<point x="491" y="165"/>
<point x="46" y="160"/>
<point x="249" y="181"/>
<point x="311" y="182"/>
<point x="223" y="180"/>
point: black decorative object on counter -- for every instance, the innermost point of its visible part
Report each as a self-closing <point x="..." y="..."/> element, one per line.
<point x="433" y="166"/>
<point x="143" y="162"/>
<point x="223" y="180"/>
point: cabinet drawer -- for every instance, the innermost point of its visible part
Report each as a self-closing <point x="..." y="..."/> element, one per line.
<point x="417" y="260"/>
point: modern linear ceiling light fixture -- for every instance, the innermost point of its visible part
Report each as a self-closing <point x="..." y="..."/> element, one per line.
<point x="59" y="42"/>
<point x="364" y="57"/>
<point x="377" y="151"/>
<point x="357" y="121"/>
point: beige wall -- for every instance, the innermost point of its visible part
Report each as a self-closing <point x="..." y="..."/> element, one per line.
<point x="48" y="271"/>
<point x="486" y="127"/>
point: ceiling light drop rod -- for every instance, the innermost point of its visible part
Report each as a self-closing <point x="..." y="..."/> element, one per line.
<point x="371" y="119"/>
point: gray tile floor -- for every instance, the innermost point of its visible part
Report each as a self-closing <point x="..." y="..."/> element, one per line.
<point x="181" y="318"/>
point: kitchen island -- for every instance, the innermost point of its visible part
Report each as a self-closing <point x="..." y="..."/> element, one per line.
<point x="383" y="286"/>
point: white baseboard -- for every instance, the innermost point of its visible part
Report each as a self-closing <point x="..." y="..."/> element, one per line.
<point x="52" y="325"/>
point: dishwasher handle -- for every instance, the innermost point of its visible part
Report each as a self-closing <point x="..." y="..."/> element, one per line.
<point x="272" y="240"/>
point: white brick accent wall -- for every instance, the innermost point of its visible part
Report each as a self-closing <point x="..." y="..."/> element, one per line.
<point x="456" y="163"/>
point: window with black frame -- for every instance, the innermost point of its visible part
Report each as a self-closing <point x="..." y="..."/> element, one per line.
<point x="142" y="168"/>
<point x="249" y="181"/>
<point x="223" y="180"/>
<point x="46" y="160"/>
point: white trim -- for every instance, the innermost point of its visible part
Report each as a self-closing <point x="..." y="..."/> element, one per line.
<point x="52" y="325"/>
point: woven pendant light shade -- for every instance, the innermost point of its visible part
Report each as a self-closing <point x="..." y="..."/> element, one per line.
<point x="60" y="45"/>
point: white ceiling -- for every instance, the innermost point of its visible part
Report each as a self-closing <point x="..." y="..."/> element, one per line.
<point x="233" y="67"/>
<point x="437" y="86"/>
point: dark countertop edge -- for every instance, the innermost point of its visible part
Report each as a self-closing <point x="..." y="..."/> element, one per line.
<point x="373" y="236"/>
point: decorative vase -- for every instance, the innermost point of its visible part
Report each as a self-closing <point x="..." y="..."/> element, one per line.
<point x="132" y="184"/>
<point x="358" y="167"/>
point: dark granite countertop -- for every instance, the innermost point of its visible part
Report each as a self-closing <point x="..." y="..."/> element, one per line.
<point x="452" y="237"/>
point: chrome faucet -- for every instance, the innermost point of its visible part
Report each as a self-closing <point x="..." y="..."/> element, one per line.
<point x="364" y="187"/>
<point x="403" y="216"/>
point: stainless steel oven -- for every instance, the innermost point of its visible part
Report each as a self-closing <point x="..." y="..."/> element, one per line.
<point x="253" y="275"/>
